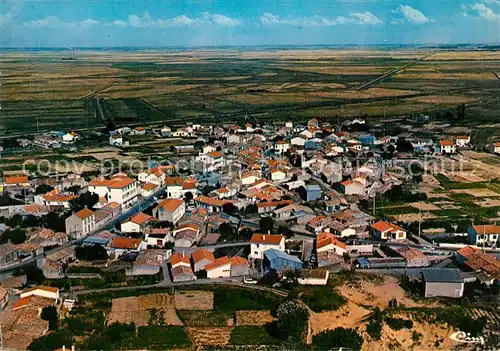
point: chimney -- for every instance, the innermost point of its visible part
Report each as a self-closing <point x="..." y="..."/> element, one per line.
<point x="72" y="347"/>
<point x="64" y="347"/>
<point x="264" y="237"/>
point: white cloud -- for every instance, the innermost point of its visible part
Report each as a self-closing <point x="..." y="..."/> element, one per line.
<point x="55" y="22"/>
<point x="367" y="18"/>
<point x="6" y="18"/>
<point x="411" y="14"/>
<point x="483" y="11"/>
<point x="179" y="21"/>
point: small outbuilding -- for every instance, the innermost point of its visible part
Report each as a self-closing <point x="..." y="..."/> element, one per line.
<point x="443" y="282"/>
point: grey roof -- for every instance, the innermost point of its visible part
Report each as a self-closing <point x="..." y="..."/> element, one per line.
<point x="313" y="187"/>
<point x="272" y="254"/>
<point x="7" y="248"/>
<point x="442" y="275"/>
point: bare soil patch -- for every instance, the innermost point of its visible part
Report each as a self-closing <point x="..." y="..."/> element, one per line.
<point x="210" y="336"/>
<point x="424" y="206"/>
<point x="253" y="317"/>
<point x="414" y="217"/>
<point x="194" y="300"/>
<point x="477" y="192"/>
<point x="488" y="203"/>
<point x="468" y="176"/>
<point x="136" y="309"/>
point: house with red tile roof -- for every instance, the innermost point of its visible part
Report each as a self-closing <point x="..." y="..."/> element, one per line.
<point x="137" y="223"/>
<point x="200" y="258"/>
<point x="383" y="230"/>
<point x="329" y="242"/>
<point x="81" y="223"/>
<point x="220" y="268"/>
<point x="170" y="210"/>
<point x="179" y="260"/>
<point x="487" y="235"/>
<point x="119" y="188"/>
<point x="263" y="242"/>
<point x="239" y="266"/>
<point x="447" y="146"/>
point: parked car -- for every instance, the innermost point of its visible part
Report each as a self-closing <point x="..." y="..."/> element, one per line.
<point x="249" y="281"/>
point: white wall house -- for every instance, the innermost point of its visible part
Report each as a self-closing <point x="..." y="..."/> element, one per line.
<point x="170" y="210"/>
<point x="447" y="147"/>
<point x="220" y="268"/>
<point x="119" y="189"/>
<point x="259" y="243"/>
<point x="387" y="231"/>
<point x="462" y="140"/>
<point x="80" y="224"/>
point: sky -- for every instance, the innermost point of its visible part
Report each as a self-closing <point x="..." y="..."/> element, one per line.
<point x="191" y="23"/>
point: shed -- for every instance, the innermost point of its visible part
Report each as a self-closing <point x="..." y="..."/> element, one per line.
<point x="310" y="192"/>
<point x="280" y="261"/>
<point x="444" y="282"/>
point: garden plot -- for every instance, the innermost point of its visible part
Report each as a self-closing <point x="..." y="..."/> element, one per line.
<point x="488" y="203"/>
<point x="467" y="176"/>
<point x="210" y="336"/>
<point x="194" y="300"/>
<point x="137" y="309"/>
<point x="424" y="206"/>
<point x="476" y="192"/>
<point x="253" y="317"/>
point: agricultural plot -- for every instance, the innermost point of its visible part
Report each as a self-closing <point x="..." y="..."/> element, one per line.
<point x="210" y="336"/>
<point x="194" y="300"/>
<point x="137" y="309"/>
<point x="246" y="317"/>
<point x="192" y="318"/>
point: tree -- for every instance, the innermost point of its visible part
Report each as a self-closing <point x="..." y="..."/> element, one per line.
<point x="337" y="338"/>
<point x="229" y="208"/>
<point x="292" y="320"/>
<point x="227" y="231"/>
<point x="43" y="189"/>
<point x="52" y="341"/>
<point x="110" y="127"/>
<point x="91" y="253"/>
<point x="49" y="314"/>
<point x="266" y="225"/>
<point x="85" y="200"/>
<point x="15" y="236"/>
<point x="188" y="196"/>
<point x="251" y="209"/>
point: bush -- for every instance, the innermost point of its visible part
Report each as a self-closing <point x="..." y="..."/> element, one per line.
<point x="339" y="337"/>
<point x="374" y="329"/>
<point x="161" y="338"/>
<point x="52" y="341"/>
<point x="292" y="320"/>
<point x="399" y="323"/>
<point x="49" y="314"/>
<point x="322" y="298"/>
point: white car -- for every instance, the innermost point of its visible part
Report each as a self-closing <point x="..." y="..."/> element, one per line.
<point x="249" y="281"/>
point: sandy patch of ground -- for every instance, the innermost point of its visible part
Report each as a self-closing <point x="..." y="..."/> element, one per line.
<point x="367" y="294"/>
<point x="467" y="176"/>
<point x="434" y="230"/>
<point x="253" y="317"/>
<point x="194" y="300"/>
<point x="106" y="156"/>
<point x="414" y="217"/>
<point x="429" y="183"/>
<point x="73" y="167"/>
<point x="136" y="309"/>
<point x="403" y="339"/>
<point x="424" y="206"/>
<point x="476" y="192"/>
<point x="488" y="203"/>
<point x="210" y="336"/>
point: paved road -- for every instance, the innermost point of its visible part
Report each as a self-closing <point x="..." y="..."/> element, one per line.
<point x="233" y="281"/>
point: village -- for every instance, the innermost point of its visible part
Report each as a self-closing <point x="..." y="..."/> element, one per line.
<point x="249" y="206"/>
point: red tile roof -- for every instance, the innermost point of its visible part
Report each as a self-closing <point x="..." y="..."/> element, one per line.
<point x="201" y="254"/>
<point x="85" y="213"/>
<point x="170" y="204"/>
<point x="125" y="243"/>
<point x="222" y="261"/>
<point x="17" y="180"/>
<point x="268" y="239"/>
<point x="488" y="229"/>
<point x="178" y="258"/>
<point x="382" y="226"/>
<point x="446" y="143"/>
<point x="237" y="260"/>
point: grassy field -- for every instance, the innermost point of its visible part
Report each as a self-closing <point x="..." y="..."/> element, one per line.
<point x="157" y="86"/>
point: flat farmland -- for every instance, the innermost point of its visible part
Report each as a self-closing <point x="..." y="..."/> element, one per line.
<point x="60" y="88"/>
